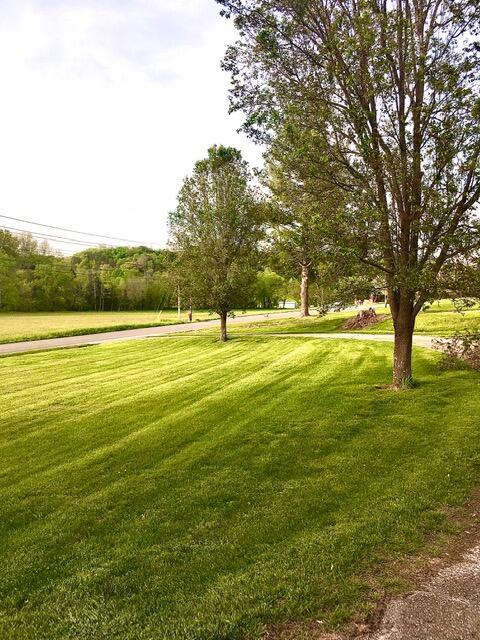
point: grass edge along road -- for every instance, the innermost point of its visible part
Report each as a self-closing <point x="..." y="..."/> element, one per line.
<point x="189" y="490"/>
<point x="19" y="327"/>
<point x="439" y="320"/>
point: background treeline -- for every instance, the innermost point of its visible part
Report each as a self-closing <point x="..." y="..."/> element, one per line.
<point x="33" y="278"/>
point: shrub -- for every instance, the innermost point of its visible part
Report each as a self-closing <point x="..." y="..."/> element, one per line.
<point x="463" y="347"/>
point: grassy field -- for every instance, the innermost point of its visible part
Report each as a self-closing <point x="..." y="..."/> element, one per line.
<point x="15" y="327"/>
<point x="182" y="489"/>
<point x="438" y="320"/>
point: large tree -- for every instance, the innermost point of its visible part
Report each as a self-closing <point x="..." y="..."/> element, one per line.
<point x="216" y="229"/>
<point x="384" y="95"/>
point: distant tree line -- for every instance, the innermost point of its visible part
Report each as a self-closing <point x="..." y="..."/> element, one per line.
<point x="33" y="278"/>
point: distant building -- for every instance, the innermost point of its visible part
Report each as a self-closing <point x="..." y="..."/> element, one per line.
<point x="287" y="304"/>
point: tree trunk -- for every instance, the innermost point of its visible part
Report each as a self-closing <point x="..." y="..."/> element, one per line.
<point x="304" y="306"/>
<point x="190" y="312"/>
<point x="179" y="305"/>
<point x="223" y="326"/>
<point x="404" y="323"/>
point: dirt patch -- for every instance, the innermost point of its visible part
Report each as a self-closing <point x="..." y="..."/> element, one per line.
<point x="309" y="630"/>
<point x="363" y="319"/>
<point x="440" y="589"/>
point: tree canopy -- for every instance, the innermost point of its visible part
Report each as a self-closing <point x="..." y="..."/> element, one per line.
<point x="381" y="99"/>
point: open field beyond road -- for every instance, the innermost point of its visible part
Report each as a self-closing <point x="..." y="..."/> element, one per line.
<point x="16" y="327"/>
<point x="183" y="489"/>
<point x="83" y="340"/>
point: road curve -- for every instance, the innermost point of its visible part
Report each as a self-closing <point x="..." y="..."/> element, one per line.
<point x="129" y="334"/>
<point x="427" y="342"/>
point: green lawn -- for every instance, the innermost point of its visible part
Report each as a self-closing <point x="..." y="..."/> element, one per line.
<point x="15" y="327"/>
<point x="438" y="320"/>
<point x="182" y="489"/>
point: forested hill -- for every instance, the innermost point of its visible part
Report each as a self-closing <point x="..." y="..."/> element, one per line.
<point x="33" y="278"/>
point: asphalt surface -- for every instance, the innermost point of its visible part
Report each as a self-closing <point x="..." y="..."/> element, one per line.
<point x="446" y="608"/>
<point x="130" y="334"/>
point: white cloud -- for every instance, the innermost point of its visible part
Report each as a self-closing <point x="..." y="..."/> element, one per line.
<point x="106" y="107"/>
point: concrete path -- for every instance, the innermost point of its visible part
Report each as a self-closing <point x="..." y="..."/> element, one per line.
<point x="418" y="340"/>
<point x="131" y="334"/>
<point x="448" y="608"/>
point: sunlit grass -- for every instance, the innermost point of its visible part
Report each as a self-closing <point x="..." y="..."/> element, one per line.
<point x="184" y="489"/>
<point x="437" y="320"/>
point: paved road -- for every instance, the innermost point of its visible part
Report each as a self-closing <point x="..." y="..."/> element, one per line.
<point x="130" y="334"/>
<point x="150" y="332"/>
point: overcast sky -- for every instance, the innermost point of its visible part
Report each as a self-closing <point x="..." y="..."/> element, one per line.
<point x="106" y="105"/>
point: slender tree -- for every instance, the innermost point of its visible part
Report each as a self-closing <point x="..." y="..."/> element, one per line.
<point x="298" y="234"/>
<point x="384" y="95"/>
<point x="216" y="228"/>
<point x="294" y="250"/>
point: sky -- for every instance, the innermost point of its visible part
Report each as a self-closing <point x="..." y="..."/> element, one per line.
<point x="106" y="105"/>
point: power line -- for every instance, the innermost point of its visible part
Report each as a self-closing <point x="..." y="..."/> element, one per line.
<point x="47" y="236"/>
<point x="70" y="252"/>
<point x="83" y="233"/>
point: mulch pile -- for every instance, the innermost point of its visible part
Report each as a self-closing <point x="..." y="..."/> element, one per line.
<point x="365" y="318"/>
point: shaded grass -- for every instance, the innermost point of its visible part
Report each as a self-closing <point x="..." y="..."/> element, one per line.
<point x="16" y="327"/>
<point x="183" y="489"/>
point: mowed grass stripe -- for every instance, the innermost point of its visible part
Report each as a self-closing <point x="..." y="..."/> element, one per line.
<point x="96" y="450"/>
<point x="182" y="452"/>
<point x="102" y="403"/>
<point x="240" y="384"/>
<point x="175" y="369"/>
<point x="99" y="359"/>
<point x="263" y="497"/>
